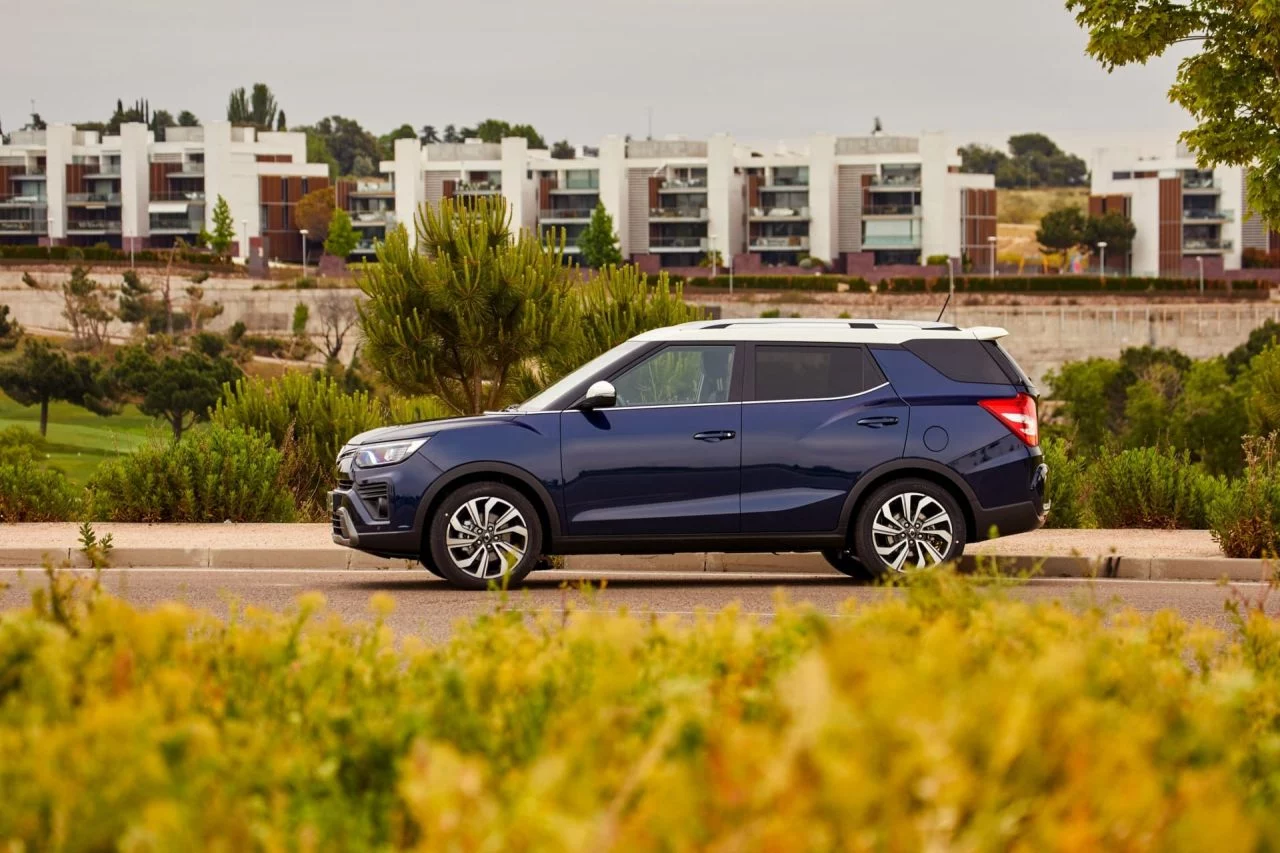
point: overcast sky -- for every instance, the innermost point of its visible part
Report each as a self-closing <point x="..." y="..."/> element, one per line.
<point x="758" y="69"/>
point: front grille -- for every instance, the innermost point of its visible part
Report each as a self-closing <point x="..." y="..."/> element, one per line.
<point x="376" y="496"/>
<point x="344" y="483"/>
<point x="337" y="525"/>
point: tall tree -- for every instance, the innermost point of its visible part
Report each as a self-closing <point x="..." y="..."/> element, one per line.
<point x="262" y="107"/>
<point x="85" y="306"/>
<point x="598" y="241"/>
<point x="186" y="118"/>
<point x="354" y="149"/>
<point x="342" y="238"/>
<point x="460" y="315"/>
<point x="495" y="130"/>
<point x="224" y="230"/>
<point x="563" y="150"/>
<point x="43" y="373"/>
<point x="981" y="159"/>
<point x="1231" y="85"/>
<point x="387" y="143"/>
<point x="314" y="212"/>
<point x="429" y="135"/>
<point x="1113" y="228"/>
<point x="36" y="123"/>
<point x="450" y="133"/>
<point x="282" y="124"/>
<point x="10" y="330"/>
<point x="318" y="152"/>
<point x="1061" y="230"/>
<point x="179" y="386"/>
<point x="238" y="110"/>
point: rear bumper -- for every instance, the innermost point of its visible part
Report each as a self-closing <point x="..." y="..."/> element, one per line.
<point x="1020" y="517"/>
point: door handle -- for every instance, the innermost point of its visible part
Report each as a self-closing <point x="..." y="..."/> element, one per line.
<point x="715" y="435"/>
<point x="878" y="421"/>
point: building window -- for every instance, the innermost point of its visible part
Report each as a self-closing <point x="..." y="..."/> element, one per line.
<point x="1121" y="176"/>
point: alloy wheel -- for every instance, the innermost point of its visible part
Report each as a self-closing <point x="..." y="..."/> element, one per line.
<point x="487" y="537"/>
<point x="912" y="527"/>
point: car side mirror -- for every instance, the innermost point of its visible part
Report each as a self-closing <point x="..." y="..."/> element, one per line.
<point x="601" y="395"/>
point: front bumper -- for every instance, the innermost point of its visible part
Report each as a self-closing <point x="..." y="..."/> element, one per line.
<point x="352" y="528"/>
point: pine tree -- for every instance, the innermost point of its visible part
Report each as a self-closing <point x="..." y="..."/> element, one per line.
<point x="598" y="241"/>
<point x="223" y="227"/>
<point x="43" y="373"/>
<point x="462" y="314"/>
<point x="342" y="237"/>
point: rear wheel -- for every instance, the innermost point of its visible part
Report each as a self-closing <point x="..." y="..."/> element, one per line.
<point x="844" y="560"/>
<point x="909" y="524"/>
<point x="485" y="533"/>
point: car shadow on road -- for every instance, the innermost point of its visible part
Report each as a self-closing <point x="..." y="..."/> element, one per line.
<point x="573" y="582"/>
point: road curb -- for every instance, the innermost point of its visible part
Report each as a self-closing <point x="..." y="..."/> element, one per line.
<point x="336" y="558"/>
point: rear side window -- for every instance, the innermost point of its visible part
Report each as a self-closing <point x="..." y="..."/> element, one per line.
<point x="959" y="360"/>
<point x="813" y="372"/>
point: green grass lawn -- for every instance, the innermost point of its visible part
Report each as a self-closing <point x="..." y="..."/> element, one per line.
<point x="78" y="440"/>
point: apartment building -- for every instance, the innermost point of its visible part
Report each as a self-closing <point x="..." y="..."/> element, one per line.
<point x="63" y="186"/>
<point x="371" y="204"/>
<point x="851" y="202"/>
<point x="1187" y="218"/>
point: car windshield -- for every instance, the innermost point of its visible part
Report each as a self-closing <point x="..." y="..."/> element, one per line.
<point x="543" y="399"/>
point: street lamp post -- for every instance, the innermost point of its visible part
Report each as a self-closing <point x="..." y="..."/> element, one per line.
<point x="244" y="233"/>
<point x="951" y="280"/>
<point x="1200" y="264"/>
<point x="1102" y="259"/>
<point x="711" y="248"/>
<point x="304" y="252"/>
<point x="991" y="243"/>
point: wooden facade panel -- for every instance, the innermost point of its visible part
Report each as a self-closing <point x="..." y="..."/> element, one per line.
<point x="342" y="193"/>
<point x="1170" y="228"/>
<point x="75" y="178"/>
<point x="655" y="184"/>
<point x="753" y="191"/>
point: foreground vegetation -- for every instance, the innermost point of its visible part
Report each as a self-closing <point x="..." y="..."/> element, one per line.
<point x="945" y="718"/>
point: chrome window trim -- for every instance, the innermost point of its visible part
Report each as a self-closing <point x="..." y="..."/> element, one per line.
<point x="816" y="399"/>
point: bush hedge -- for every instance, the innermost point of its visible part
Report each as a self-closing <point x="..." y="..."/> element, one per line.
<point x="1151" y="487"/>
<point x="980" y="284"/>
<point x="948" y="718"/>
<point x="1067" y="487"/>
<point x="99" y="253"/>
<point x="1245" y="518"/>
<point x="30" y="491"/>
<point x="310" y="417"/>
<point x="212" y="474"/>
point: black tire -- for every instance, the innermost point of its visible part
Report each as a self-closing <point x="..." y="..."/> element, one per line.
<point x="844" y="560"/>
<point x="474" y="552"/>
<point x="429" y="565"/>
<point x="908" y="524"/>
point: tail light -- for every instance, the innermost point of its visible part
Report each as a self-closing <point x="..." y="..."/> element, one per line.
<point x="1018" y="414"/>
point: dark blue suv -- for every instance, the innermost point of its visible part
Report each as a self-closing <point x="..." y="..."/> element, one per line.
<point x="885" y="445"/>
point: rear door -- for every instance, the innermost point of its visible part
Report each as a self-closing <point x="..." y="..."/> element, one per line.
<point x="814" y="419"/>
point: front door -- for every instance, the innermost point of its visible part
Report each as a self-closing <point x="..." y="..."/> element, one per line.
<point x="666" y="460"/>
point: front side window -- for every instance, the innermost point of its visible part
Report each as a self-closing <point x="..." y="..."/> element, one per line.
<point x="813" y="372"/>
<point x="682" y="375"/>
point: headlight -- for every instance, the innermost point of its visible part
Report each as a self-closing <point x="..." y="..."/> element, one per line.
<point x="375" y="455"/>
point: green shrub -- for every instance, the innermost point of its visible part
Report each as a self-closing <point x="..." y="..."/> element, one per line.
<point x="1067" y="489"/>
<point x="107" y="254"/>
<point x="30" y="491"/>
<point x="310" y="417"/>
<point x="213" y="474"/>
<point x="1150" y="487"/>
<point x="946" y="718"/>
<point x="1245" y="518"/>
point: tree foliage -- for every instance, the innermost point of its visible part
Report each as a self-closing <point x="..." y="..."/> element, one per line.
<point x="314" y="212"/>
<point x="85" y="306"/>
<point x="256" y="109"/>
<point x="224" y="229"/>
<point x="186" y="118"/>
<point x="495" y="130"/>
<point x="462" y="314"/>
<point x="1230" y="86"/>
<point x="1033" y="160"/>
<point x="180" y="386"/>
<point x="387" y="142"/>
<point x="10" y="330"/>
<point x="563" y="150"/>
<point x="1113" y="228"/>
<point x="42" y="373"/>
<point x="1061" y="230"/>
<point x="353" y="149"/>
<point x="598" y="241"/>
<point x="342" y="238"/>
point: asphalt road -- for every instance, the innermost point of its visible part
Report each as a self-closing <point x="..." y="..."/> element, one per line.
<point x="425" y="606"/>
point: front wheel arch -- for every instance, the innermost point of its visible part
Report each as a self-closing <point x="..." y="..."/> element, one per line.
<point x="477" y="472"/>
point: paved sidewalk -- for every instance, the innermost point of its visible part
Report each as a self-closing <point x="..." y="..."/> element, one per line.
<point x="1138" y="554"/>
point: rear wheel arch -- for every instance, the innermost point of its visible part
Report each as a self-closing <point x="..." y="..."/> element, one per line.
<point x="903" y="469"/>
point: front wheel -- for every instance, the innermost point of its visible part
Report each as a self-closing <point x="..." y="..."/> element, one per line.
<point x="485" y="533"/>
<point x="909" y="524"/>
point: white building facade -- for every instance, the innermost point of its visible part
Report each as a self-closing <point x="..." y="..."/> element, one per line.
<point x="850" y="203"/>
<point x="1188" y="219"/>
<point x="63" y="186"/>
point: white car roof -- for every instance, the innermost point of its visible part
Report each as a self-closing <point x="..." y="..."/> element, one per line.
<point x="794" y="329"/>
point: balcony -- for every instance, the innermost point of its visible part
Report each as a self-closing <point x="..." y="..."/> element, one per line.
<point x="479" y="188"/>
<point x="568" y="214"/>
<point x="35" y="173"/>
<point x="366" y="247"/>
<point x="896" y="181"/>
<point x="195" y="196"/>
<point x="93" y="226"/>
<point x="16" y="200"/>
<point x="1200" y="215"/>
<point x="1201" y="245"/>
<point x="779" y="214"/>
<point x="680" y="212"/>
<point x="659" y="244"/>
<point x="372" y="218"/>
<point x="24" y="226"/>
<point x="891" y="241"/>
<point x="675" y="185"/>
<point x="188" y="170"/>
<point x="109" y="170"/>
<point x="912" y="210"/>
<point x="1201" y="184"/>
<point x="793" y="243"/>
<point x="93" y="198"/>
<point x="369" y="189"/>
<point x="174" y="225"/>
